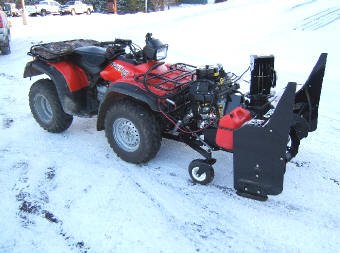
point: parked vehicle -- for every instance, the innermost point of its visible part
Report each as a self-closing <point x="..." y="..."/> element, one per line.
<point x="138" y="100"/>
<point x="5" y="34"/>
<point x="43" y="8"/>
<point x="11" y="10"/>
<point x="76" y="7"/>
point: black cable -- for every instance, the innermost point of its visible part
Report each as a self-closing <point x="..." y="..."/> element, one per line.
<point x="235" y="80"/>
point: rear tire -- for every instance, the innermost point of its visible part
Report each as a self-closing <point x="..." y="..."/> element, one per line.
<point x="5" y="50"/>
<point x="43" y="13"/>
<point x="132" y="131"/>
<point x="46" y="108"/>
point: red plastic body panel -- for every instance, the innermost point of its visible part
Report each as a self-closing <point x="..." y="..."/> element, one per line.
<point x="228" y="123"/>
<point x="74" y="75"/>
<point x="120" y="71"/>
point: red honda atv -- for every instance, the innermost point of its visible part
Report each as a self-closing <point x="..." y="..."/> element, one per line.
<point x="139" y="100"/>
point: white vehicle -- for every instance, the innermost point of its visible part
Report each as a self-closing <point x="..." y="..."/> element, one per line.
<point x="76" y="7"/>
<point x="43" y="8"/>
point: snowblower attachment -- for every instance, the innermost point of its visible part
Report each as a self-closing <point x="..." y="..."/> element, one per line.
<point x="261" y="145"/>
<point x="307" y="100"/>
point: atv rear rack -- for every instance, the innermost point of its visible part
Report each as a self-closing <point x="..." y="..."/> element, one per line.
<point x="55" y="51"/>
<point x="168" y="81"/>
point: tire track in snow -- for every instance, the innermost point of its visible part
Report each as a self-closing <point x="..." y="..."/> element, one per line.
<point x="197" y="232"/>
<point x="32" y="204"/>
<point x="6" y="121"/>
<point x="319" y="20"/>
<point x="201" y="224"/>
<point x="211" y="212"/>
<point x="8" y="77"/>
<point x="303" y="4"/>
<point x="6" y="101"/>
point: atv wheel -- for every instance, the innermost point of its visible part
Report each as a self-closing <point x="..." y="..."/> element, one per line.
<point x="46" y="108"/>
<point x="132" y="131"/>
<point x="201" y="172"/>
<point x="43" y="13"/>
<point x="88" y="12"/>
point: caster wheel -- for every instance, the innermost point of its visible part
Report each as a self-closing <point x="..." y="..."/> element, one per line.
<point x="201" y="172"/>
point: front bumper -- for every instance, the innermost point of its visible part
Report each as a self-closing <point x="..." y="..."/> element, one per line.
<point x="65" y="11"/>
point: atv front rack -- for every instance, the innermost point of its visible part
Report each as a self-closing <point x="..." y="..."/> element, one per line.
<point x="168" y="82"/>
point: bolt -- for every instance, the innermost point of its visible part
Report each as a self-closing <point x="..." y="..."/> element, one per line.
<point x="257" y="166"/>
<point x="258" y="192"/>
<point x="281" y="159"/>
<point x="257" y="176"/>
<point x="271" y="130"/>
<point x="245" y="188"/>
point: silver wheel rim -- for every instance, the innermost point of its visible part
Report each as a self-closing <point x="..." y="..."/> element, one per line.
<point x="197" y="177"/>
<point x="126" y="134"/>
<point x="43" y="108"/>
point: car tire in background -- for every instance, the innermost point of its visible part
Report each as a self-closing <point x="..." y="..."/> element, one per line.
<point x="6" y="49"/>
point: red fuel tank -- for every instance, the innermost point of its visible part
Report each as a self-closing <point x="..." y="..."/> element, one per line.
<point x="228" y="123"/>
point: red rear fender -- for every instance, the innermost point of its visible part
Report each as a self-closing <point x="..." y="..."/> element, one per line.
<point x="75" y="76"/>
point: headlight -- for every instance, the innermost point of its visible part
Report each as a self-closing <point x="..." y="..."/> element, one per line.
<point x="154" y="49"/>
<point x="162" y="52"/>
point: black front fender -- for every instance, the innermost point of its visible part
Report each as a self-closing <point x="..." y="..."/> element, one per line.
<point x="119" y="90"/>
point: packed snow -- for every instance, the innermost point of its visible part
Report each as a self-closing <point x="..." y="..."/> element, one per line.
<point x="69" y="192"/>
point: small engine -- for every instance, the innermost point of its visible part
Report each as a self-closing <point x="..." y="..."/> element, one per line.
<point x="204" y="94"/>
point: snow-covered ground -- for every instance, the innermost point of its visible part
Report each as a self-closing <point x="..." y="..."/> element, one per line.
<point x="70" y="193"/>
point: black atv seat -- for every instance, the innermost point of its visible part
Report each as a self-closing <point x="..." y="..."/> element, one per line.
<point x="91" y="58"/>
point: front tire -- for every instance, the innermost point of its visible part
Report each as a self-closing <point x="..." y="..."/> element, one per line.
<point x="46" y="108"/>
<point x="132" y="131"/>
